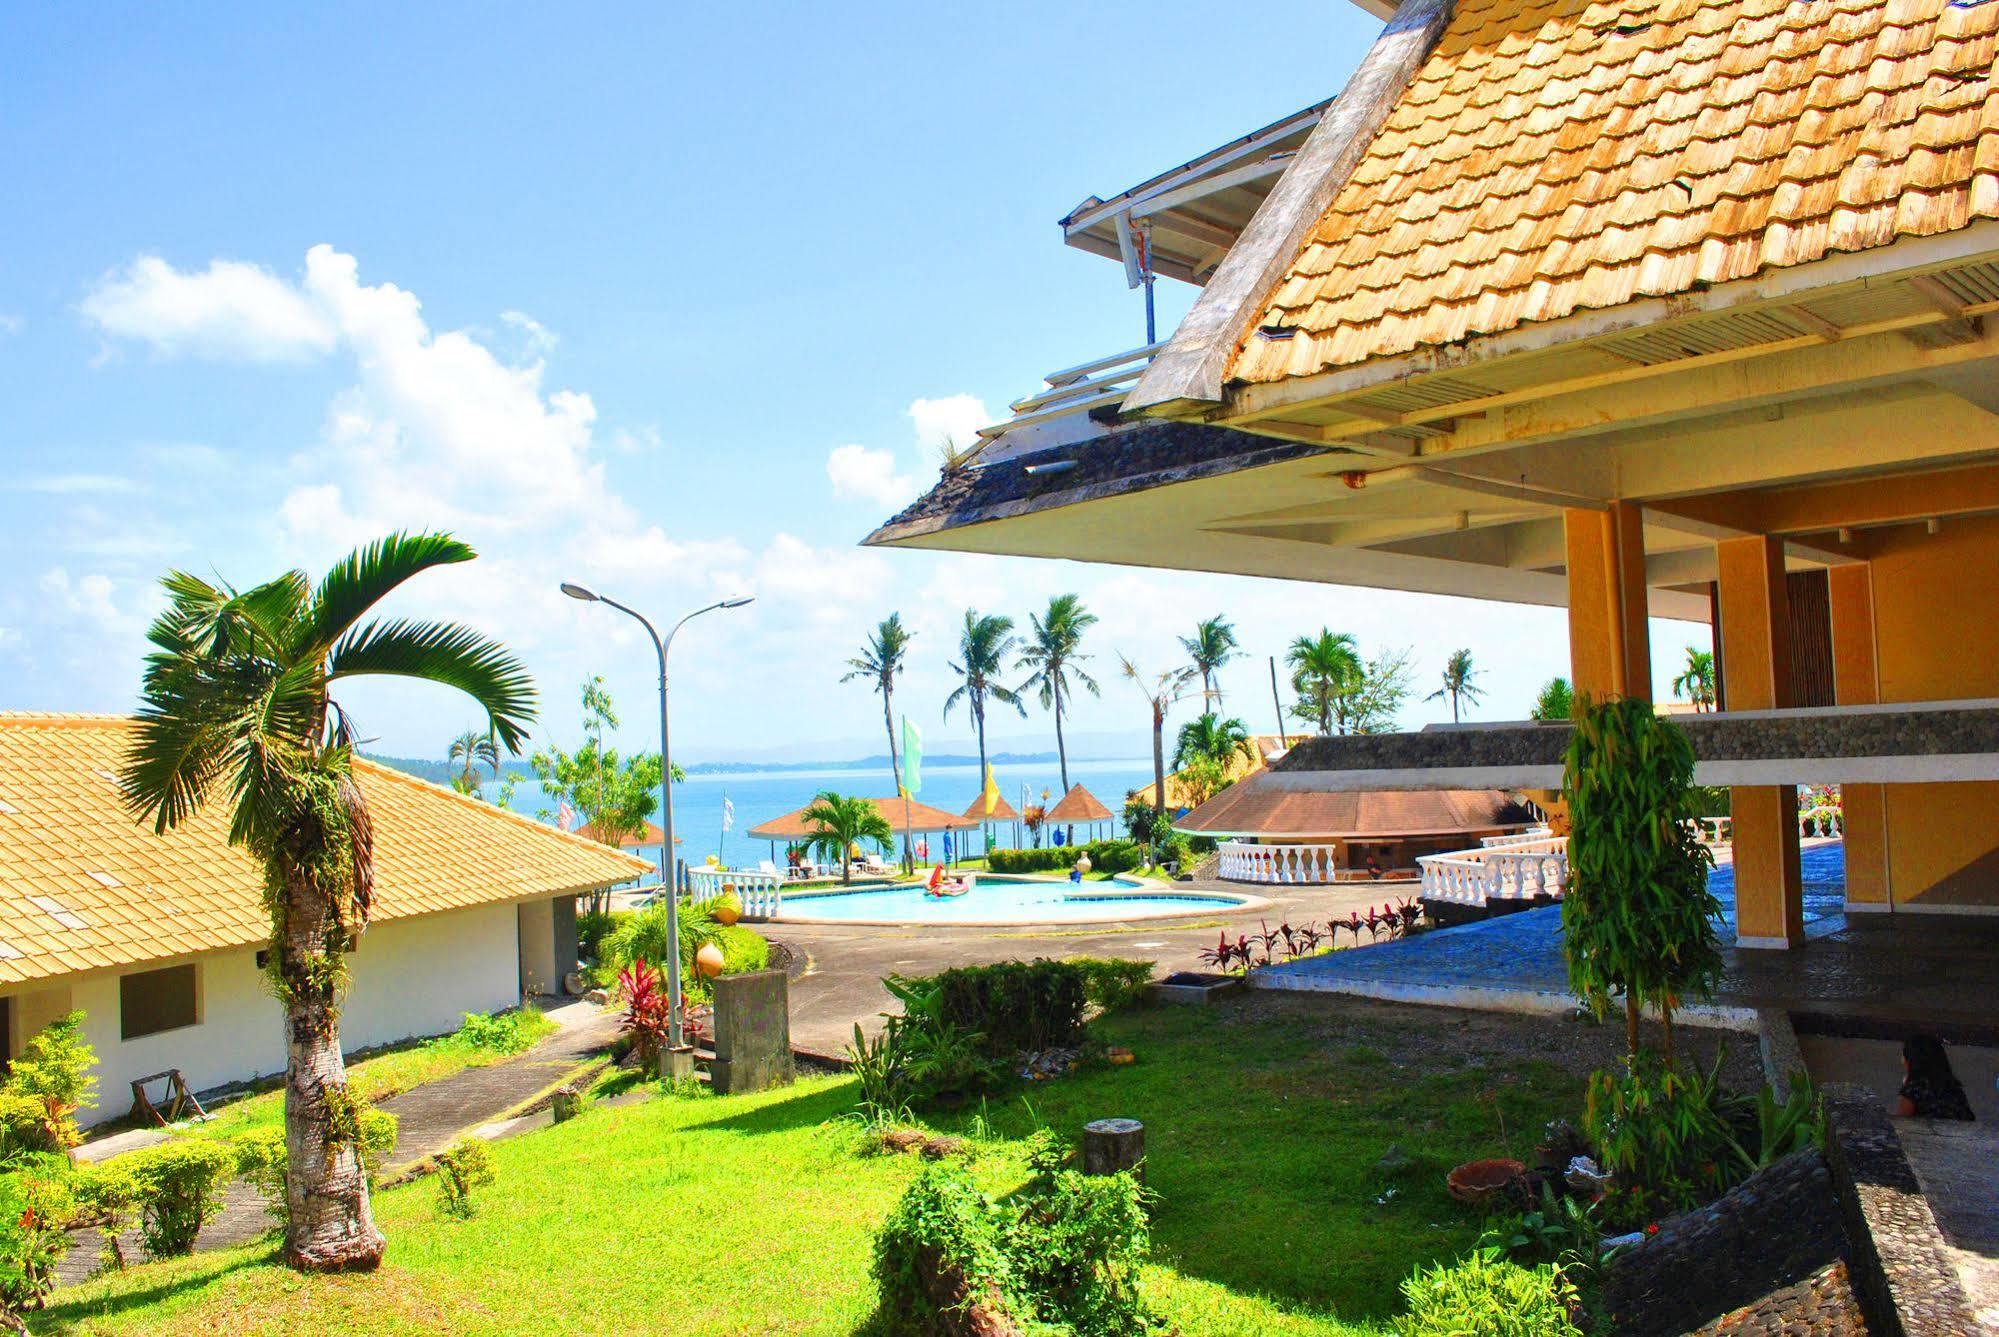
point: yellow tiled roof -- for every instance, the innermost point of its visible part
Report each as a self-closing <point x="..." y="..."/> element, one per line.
<point x="1556" y="156"/>
<point x="83" y="886"/>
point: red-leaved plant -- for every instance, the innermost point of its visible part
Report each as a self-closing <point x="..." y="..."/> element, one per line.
<point x="648" y="1015"/>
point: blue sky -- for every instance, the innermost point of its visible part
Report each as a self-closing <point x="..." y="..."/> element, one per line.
<point x="661" y="298"/>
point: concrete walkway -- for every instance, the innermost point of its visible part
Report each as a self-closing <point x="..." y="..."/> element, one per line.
<point x="429" y="1118"/>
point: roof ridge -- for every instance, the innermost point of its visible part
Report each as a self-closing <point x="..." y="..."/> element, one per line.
<point x="66" y="719"/>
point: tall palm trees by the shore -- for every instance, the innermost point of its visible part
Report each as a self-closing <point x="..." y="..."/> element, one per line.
<point x="237" y="698"/>
<point x="1323" y="669"/>
<point x="881" y="661"/>
<point x="1052" y="651"/>
<point x="1458" y="684"/>
<point x="1212" y="645"/>
<point x="983" y="649"/>
<point x="1160" y="692"/>
<point x="1696" y="681"/>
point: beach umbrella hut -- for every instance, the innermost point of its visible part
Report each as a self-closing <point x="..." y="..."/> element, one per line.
<point x="652" y="835"/>
<point x="1002" y="812"/>
<point x="907" y="815"/>
<point x="1079" y="807"/>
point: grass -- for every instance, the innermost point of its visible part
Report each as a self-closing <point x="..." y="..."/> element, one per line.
<point x="479" y="1042"/>
<point x="753" y="1214"/>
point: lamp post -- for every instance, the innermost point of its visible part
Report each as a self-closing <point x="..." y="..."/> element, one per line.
<point x="666" y="860"/>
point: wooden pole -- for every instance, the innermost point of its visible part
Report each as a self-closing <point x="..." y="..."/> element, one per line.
<point x="1278" y="701"/>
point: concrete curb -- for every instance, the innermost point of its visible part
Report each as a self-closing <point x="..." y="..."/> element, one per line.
<point x="1477" y="998"/>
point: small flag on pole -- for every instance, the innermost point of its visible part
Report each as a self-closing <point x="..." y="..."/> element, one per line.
<point x="992" y="791"/>
<point x="728" y="814"/>
<point x="912" y="759"/>
<point x="565" y="817"/>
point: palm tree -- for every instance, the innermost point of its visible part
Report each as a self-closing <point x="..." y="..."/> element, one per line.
<point x="983" y="648"/>
<point x="839" y="823"/>
<point x="1458" y="685"/>
<point x="879" y="661"/>
<point x="1160" y="692"/>
<point x="1556" y="700"/>
<point x="1696" y="683"/>
<point x="471" y="749"/>
<point x="1323" y="669"/>
<point x="1052" y="651"/>
<point x="1212" y="645"/>
<point x="1212" y="738"/>
<point x="237" y="698"/>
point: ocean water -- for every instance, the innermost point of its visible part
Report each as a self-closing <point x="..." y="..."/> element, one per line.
<point x="759" y="796"/>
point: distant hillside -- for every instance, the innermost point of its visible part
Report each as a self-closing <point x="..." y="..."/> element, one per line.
<point x="439" y="772"/>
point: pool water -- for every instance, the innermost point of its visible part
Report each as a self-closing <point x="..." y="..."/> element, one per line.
<point x="1001" y="899"/>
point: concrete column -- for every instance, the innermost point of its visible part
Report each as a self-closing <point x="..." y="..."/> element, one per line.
<point x="1610" y="643"/>
<point x="1855" y="683"/>
<point x="1756" y="657"/>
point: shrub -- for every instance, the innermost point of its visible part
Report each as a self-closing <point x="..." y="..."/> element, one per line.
<point x="648" y="1016"/>
<point x="1486" y="1295"/>
<point x="107" y="1193"/>
<point x="1015" y="1007"/>
<point x="462" y="1167"/>
<point x="261" y="1157"/>
<point x="1106" y="856"/>
<point x="46" y="1086"/>
<point x="35" y="1208"/>
<point x="514" y="1031"/>
<point x="643" y="936"/>
<point x="1064" y="1252"/>
<point x="593" y="927"/>
<point x="1110" y="985"/>
<point x="179" y="1188"/>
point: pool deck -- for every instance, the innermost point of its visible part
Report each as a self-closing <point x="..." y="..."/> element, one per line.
<point x="1126" y="899"/>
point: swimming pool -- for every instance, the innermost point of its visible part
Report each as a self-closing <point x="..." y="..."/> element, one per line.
<point x="999" y="899"/>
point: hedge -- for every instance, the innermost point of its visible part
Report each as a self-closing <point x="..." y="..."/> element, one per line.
<point x="1106" y="856"/>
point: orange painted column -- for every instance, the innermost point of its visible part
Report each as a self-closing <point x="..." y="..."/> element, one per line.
<point x="1610" y="642"/>
<point x="1856" y="683"/>
<point x="1756" y="662"/>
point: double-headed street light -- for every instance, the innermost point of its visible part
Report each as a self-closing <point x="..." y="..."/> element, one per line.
<point x="668" y="880"/>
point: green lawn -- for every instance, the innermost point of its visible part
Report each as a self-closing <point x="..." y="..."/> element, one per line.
<point x="753" y="1214"/>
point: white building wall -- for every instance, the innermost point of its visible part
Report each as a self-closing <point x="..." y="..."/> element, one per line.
<point x="411" y="977"/>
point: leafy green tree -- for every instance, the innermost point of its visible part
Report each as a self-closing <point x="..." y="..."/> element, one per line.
<point x="1325" y="669"/>
<point x="1377" y="698"/>
<point x="1212" y="738"/>
<point x="1052" y="652"/>
<point x="614" y="795"/>
<point x="1160" y="691"/>
<point x="1459" y="684"/>
<point x="880" y="662"/>
<point x="237" y="696"/>
<point x="839" y="823"/>
<point x="1638" y="920"/>
<point x="1555" y="701"/>
<point x="983" y="649"/>
<point x="1696" y="681"/>
<point x="470" y="750"/>
<point x="1212" y="647"/>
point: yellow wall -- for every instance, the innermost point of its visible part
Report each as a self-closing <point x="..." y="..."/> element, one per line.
<point x="1935" y="639"/>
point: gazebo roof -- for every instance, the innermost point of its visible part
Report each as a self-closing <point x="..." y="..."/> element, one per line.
<point x="1259" y="807"/>
<point x="920" y="817"/>
<point x="652" y="835"/>
<point x="1002" y="811"/>
<point x="1079" y="805"/>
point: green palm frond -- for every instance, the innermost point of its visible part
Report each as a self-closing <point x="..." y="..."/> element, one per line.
<point x="446" y="653"/>
<point x="366" y="576"/>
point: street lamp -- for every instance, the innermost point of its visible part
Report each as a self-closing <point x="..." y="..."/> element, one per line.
<point x="666" y="861"/>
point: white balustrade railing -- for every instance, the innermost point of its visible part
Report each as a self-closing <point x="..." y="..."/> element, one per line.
<point x="1528" y="837"/>
<point x="1473" y="877"/>
<point x="761" y="894"/>
<point x="1818" y="823"/>
<point x="1278" y="865"/>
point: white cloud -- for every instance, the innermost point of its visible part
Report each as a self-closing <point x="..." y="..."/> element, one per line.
<point x="10" y="640"/>
<point x="867" y="474"/>
<point x="11" y="324"/>
<point x="537" y="336"/>
<point x="953" y="419"/>
<point x="831" y="586"/>
<point x="69" y="484"/>
<point x="88" y="597"/>
<point x="230" y="310"/>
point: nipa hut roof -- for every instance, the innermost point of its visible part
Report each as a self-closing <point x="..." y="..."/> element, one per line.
<point x="919" y="817"/>
<point x="1258" y="807"/>
<point x="1079" y="805"/>
<point x="652" y="835"/>
<point x="1002" y="811"/>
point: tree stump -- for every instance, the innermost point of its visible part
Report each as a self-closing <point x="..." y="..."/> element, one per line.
<point x="1111" y="1145"/>
<point x="563" y="1105"/>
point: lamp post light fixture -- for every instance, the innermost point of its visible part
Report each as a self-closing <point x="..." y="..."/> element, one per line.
<point x="669" y="882"/>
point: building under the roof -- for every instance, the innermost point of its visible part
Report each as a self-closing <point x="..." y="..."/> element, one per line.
<point x="1647" y="309"/>
<point x="156" y="938"/>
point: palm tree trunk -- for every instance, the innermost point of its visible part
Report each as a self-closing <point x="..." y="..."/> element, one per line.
<point x="1062" y="757"/>
<point x="1158" y="759"/>
<point x="895" y="762"/>
<point x="331" y="1226"/>
<point x="979" y="717"/>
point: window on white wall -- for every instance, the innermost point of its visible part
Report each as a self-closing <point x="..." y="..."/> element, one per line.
<point x="156" y="1000"/>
